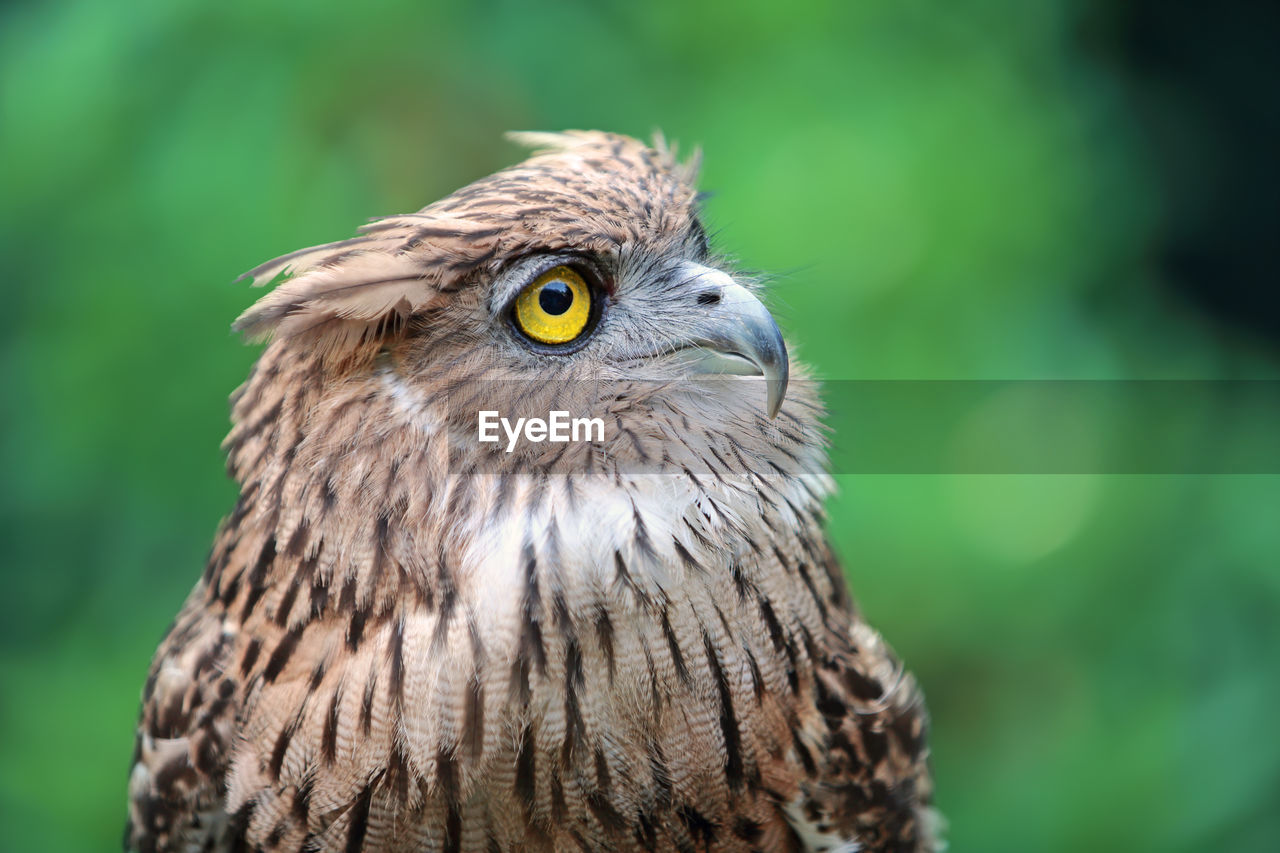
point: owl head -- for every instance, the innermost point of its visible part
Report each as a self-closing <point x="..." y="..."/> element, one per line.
<point x="580" y="280"/>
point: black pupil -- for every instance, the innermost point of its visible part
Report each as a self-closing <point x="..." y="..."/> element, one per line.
<point x="555" y="298"/>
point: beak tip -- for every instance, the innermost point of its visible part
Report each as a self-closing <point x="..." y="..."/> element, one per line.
<point x="777" y="392"/>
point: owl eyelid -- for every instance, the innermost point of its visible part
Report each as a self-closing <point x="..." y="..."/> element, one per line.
<point x="525" y="270"/>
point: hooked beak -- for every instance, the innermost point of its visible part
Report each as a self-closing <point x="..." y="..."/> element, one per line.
<point x="734" y="333"/>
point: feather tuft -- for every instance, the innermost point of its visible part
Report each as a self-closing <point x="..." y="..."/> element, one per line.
<point x="351" y="299"/>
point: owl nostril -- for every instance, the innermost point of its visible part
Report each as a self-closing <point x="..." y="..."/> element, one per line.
<point x="711" y="297"/>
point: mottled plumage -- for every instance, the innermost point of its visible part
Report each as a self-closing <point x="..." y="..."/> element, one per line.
<point x="404" y="641"/>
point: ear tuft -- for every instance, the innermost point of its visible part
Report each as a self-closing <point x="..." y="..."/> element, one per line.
<point x="350" y="299"/>
<point x="546" y="141"/>
<point x="550" y="142"/>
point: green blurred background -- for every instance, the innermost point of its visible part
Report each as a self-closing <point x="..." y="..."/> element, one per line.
<point x="972" y="190"/>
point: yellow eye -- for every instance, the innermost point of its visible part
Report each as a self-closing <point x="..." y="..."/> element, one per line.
<point x="555" y="308"/>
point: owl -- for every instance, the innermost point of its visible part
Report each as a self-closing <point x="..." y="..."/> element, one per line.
<point x="442" y="617"/>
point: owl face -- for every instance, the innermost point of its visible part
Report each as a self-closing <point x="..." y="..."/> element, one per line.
<point x="641" y="325"/>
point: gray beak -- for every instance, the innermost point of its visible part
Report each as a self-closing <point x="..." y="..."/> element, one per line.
<point x="734" y="333"/>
